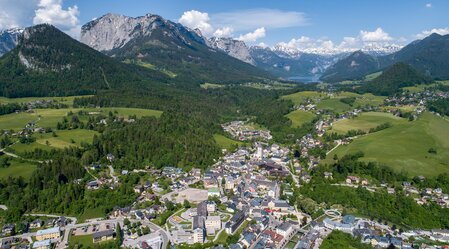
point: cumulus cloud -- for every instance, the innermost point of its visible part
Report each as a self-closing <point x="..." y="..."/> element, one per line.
<point x="244" y="20"/>
<point x="17" y="13"/>
<point x="253" y="36"/>
<point x="377" y="35"/>
<point x="440" y="31"/>
<point x="52" y="12"/>
<point x="428" y="5"/>
<point x="196" y="20"/>
<point x="224" y="32"/>
<point x="305" y="43"/>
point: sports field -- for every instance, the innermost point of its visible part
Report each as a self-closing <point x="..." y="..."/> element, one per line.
<point x="300" y="117"/>
<point x="365" y="121"/>
<point x="405" y="147"/>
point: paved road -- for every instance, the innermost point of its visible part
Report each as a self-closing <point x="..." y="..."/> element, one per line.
<point x="61" y="245"/>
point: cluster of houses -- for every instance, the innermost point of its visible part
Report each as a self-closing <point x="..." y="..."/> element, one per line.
<point x="418" y="99"/>
<point x="244" y="132"/>
<point x="424" y="196"/>
<point x="369" y="232"/>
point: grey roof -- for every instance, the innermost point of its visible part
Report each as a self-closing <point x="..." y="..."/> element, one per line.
<point x="100" y="234"/>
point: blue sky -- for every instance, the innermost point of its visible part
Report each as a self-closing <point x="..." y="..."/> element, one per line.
<point x="307" y="22"/>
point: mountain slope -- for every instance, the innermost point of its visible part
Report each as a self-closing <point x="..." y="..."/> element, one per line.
<point x="394" y="78"/>
<point x="428" y="56"/>
<point x="9" y="39"/>
<point x="48" y="62"/>
<point x="165" y="45"/>
<point x="284" y="64"/>
<point x="353" y="67"/>
<point x="234" y="48"/>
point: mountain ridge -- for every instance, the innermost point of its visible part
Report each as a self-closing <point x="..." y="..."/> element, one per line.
<point x="48" y="62"/>
<point x="428" y="56"/>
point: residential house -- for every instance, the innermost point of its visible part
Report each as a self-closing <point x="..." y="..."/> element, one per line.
<point x="51" y="233"/>
<point x="103" y="235"/>
<point x="44" y="244"/>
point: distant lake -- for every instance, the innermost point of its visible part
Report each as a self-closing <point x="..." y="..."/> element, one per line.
<point x="306" y="79"/>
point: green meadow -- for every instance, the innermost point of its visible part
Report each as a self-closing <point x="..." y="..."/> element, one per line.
<point x="405" y="146"/>
<point x="300" y="117"/>
<point x="64" y="100"/>
<point x="300" y="97"/>
<point x="365" y="121"/>
<point x="333" y="103"/>
<point x="226" y="143"/>
<point x="17" y="168"/>
<point x="50" y="117"/>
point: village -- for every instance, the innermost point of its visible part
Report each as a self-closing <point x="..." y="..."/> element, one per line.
<point x="241" y="195"/>
<point x="243" y="198"/>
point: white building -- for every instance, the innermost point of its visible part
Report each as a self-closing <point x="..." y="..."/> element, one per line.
<point x="213" y="223"/>
<point x="198" y="235"/>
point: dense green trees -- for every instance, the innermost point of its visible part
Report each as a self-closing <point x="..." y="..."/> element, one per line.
<point x="341" y="240"/>
<point x="440" y="106"/>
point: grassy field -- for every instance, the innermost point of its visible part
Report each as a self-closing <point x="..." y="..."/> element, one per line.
<point x="300" y="97"/>
<point x="64" y="100"/>
<point x="66" y="138"/>
<point x="365" y="121"/>
<point x="300" y="117"/>
<point x="63" y="140"/>
<point x="91" y="213"/>
<point x="333" y="102"/>
<point x="334" y="105"/>
<point x="151" y="66"/>
<point x="422" y="87"/>
<point x="404" y="147"/>
<point x="50" y="117"/>
<point x="15" y="121"/>
<point x="372" y="76"/>
<point x="17" y="168"/>
<point x="226" y="143"/>
<point x="82" y="240"/>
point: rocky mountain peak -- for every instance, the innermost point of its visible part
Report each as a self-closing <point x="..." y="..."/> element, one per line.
<point x="9" y="39"/>
<point x="232" y="47"/>
<point x="113" y="31"/>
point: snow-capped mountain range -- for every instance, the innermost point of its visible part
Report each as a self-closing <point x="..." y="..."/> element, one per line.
<point x="112" y="32"/>
<point x="9" y="39"/>
<point x="372" y="49"/>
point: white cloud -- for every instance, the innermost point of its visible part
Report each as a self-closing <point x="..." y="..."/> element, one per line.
<point x="17" y="13"/>
<point x="196" y="20"/>
<point x="262" y="45"/>
<point x="376" y="39"/>
<point x="52" y="12"/>
<point x="224" y="32"/>
<point x="440" y="31"/>
<point x="377" y="35"/>
<point x="428" y="5"/>
<point x="253" y="36"/>
<point x="251" y="19"/>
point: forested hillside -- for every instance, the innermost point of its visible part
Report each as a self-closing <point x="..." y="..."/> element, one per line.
<point x="48" y="62"/>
